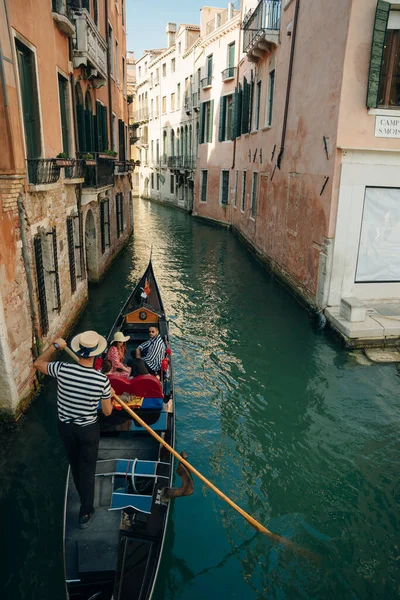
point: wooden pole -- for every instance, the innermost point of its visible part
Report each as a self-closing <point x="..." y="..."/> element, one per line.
<point x="243" y="513"/>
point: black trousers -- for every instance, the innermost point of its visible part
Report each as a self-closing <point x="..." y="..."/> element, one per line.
<point x="82" y="445"/>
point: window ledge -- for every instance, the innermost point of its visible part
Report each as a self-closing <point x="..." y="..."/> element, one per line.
<point x="266" y="128"/>
<point x="246" y="135"/>
<point x="43" y="187"/>
<point x="386" y="112"/>
<point x="74" y="181"/>
<point x="254" y="132"/>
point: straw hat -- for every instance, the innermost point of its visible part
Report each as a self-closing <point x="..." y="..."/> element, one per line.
<point x="88" y="343"/>
<point x="120" y="337"/>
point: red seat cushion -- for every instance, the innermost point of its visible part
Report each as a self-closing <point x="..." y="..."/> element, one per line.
<point x="144" y="386"/>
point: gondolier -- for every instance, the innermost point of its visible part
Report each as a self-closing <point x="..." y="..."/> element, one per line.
<point x="79" y="390"/>
<point x="153" y="350"/>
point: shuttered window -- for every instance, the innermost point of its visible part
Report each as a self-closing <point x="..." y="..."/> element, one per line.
<point x="63" y="97"/>
<point x="104" y="224"/>
<point x="81" y="248"/>
<point x="71" y="253"/>
<point x="203" y="185"/>
<point x="206" y="121"/>
<point x="243" y="191"/>
<point x="254" y="195"/>
<point x="29" y="98"/>
<point x="258" y="102"/>
<point x="172" y="184"/>
<point x="245" y="107"/>
<point x="270" y="97"/>
<point x="377" y="52"/>
<point x="236" y="188"/>
<point x="119" y="206"/>
<point x="56" y="272"/>
<point x="225" y="118"/>
<point x="41" y="288"/>
<point x="224" y="196"/>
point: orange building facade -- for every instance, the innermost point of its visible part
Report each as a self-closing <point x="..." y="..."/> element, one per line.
<point x="65" y="171"/>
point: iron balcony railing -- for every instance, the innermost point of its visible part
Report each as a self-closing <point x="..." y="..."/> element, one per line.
<point x="266" y="16"/>
<point x="42" y="171"/>
<point x="206" y="81"/>
<point x="76" y="170"/>
<point x="101" y="174"/>
<point x="228" y="73"/>
<point x="181" y="162"/>
<point x="123" y="167"/>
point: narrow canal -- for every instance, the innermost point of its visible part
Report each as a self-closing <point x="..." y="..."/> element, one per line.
<point x="290" y="426"/>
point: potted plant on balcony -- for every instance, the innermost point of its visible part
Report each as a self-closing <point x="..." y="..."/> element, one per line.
<point x="62" y="160"/>
<point x="137" y="163"/>
<point x="108" y="154"/>
<point x="89" y="159"/>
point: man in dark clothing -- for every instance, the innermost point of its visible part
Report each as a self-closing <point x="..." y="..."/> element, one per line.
<point x="79" y="390"/>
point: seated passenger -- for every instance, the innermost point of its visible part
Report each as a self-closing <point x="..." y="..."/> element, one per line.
<point x="116" y="354"/>
<point x="153" y="351"/>
<point x="138" y="366"/>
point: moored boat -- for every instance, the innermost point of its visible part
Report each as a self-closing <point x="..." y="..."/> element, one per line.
<point x="119" y="555"/>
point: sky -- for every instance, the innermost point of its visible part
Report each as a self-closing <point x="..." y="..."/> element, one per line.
<point x="147" y="19"/>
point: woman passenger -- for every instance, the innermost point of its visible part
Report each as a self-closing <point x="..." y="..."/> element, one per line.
<point x="116" y="354"/>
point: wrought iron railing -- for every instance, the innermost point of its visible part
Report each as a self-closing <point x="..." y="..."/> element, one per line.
<point x="76" y="170"/>
<point x="42" y="171"/>
<point x="101" y="174"/>
<point x="123" y="167"/>
<point x="206" y="81"/>
<point x="266" y="16"/>
<point x="228" y="73"/>
<point x="182" y="162"/>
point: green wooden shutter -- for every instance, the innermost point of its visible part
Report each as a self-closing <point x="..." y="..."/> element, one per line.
<point x="231" y="56"/>
<point x="202" y="123"/>
<point x="210" y="121"/>
<point x="30" y="110"/>
<point x="232" y="133"/>
<point x="80" y="117"/>
<point x="222" y="119"/>
<point x="105" y="128"/>
<point x="99" y="127"/>
<point x="377" y="48"/>
<point x="239" y="112"/>
<point x="62" y="91"/>
<point x="245" y="106"/>
<point x="95" y="124"/>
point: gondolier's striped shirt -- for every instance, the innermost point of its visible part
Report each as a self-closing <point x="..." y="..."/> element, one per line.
<point x="79" y="391"/>
<point x="155" y="352"/>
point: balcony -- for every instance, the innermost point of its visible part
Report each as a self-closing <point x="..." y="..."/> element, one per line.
<point x="229" y="73"/>
<point x="188" y="105"/>
<point x="63" y="16"/>
<point x="206" y="82"/>
<point x="133" y="133"/>
<point x="123" y="167"/>
<point x="141" y="115"/>
<point x="90" y="48"/>
<point x="261" y="29"/>
<point x="182" y="162"/>
<point x="76" y="170"/>
<point x="43" y="171"/>
<point x="100" y="175"/>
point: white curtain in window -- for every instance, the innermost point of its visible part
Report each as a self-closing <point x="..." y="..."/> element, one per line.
<point x="379" y="252"/>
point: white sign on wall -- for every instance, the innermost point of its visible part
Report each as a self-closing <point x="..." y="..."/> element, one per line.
<point x="387" y="127"/>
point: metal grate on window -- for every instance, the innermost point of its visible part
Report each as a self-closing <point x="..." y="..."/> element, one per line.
<point x="119" y="204"/>
<point x="104" y="224"/>
<point x="71" y="253"/>
<point x="81" y="248"/>
<point x="225" y="187"/>
<point x="56" y="274"/>
<point x="44" y="319"/>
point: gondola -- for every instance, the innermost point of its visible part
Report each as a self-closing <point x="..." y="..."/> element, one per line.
<point x="118" y="556"/>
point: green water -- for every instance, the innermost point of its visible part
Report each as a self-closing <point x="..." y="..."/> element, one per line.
<point x="274" y="412"/>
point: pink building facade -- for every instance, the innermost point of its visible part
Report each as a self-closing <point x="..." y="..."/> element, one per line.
<point x="300" y="152"/>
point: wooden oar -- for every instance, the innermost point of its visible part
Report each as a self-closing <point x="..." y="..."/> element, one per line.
<point x="243" y="513"/>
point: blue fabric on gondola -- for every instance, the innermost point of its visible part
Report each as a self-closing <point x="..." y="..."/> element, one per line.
<point x="141" y="503"/>
<point x="159" y="425"/>
<point x="142" y="467"/>
<point x="152" y="403"/>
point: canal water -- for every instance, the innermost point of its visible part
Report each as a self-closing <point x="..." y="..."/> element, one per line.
<point x="292" y="427"/>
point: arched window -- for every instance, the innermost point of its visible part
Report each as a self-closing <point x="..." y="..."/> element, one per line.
<point x="177" y="140"/>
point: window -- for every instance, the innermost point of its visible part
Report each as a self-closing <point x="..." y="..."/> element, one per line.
<point x="119" y="206"/>
<point x="29" y="98"/>
<point x="379" y="249"/>
<point x="158" y="182"/>
<point x="270" y="97"/>
<point x="164" y="70"/>
<point x="178" y="95"/>
<point x="157" y="76"/>
<point x="140" y="71"/>
<point x="231" y="60"/>
<point x="254" y="195"/>
<point x="165" y="146"/>
<point x="243" y="191"/>
<point x="117" y="61"/>
<point x="123" y="77"/>
<point x="104" y="224"/>
<point x="164" y="105"/>
<point x="172" y="184"/>
<point x="224" y="191"/>
<point x="179" y="48"/>
<point x="151" y="79"/>
<point x="389" y="88"/>
<point x="258" y="99"/>
<point x="209" y="66"/>
<point x="152" y="181"/>
<point x="114" y="133"/>
<point x="152" y="109"/>
<point x="203" y="186"/>
<point x="111" y="48"/>
<point x="225" y="118"/>
<point x="63" y="91"/>
<point x="158" y="150"/>
<point x="152" y="151"/>
<point x="172" y="101"/>
<point x="207" y="118"/>
<point x="41" y="287"/>
<point x="236" y="188"/>
<point x="157" y="106"/>
<point x="173" y="65"/>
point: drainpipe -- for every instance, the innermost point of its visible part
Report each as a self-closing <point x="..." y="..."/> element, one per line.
<point x="25" y="257"/>
<point x="109" y="79"/>
<point x="296" y="16"/>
